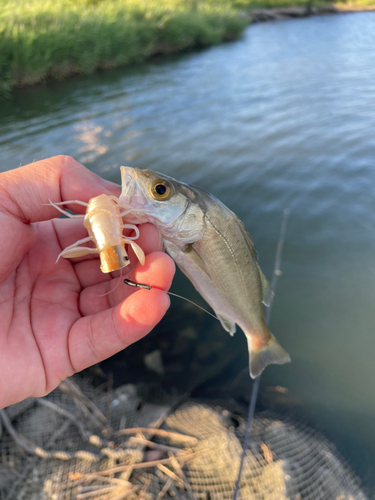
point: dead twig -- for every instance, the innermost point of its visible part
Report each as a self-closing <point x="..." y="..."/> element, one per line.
<point x="87" y="435"/>
<point x="268" y="457"/>
<point x="164" y="489"/>
<point x="144" y="465"/>
<point x="126" y="493"/>
<point x="84" y="403"/>
<point x="30" y="466"/>
<point x="156" y="446"/>
<point x="64" y="413"/>
<point x="177" y="467"/>
<point x="32" y="448"/>
<point x="173" y="436"/>
<point x="172" y="487"/>
<point x="171" y="475"/>
<point x="79" y="478"/>
<point x="95" y="490"/>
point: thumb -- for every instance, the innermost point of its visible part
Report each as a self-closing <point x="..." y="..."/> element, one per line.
<point x="16" y="240"/>
<point x="24" y="193"/>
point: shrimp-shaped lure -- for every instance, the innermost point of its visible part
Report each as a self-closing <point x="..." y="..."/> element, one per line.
<point x="103" y="221"/>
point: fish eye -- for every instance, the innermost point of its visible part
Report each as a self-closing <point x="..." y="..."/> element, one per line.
<point x="161" y="190"/>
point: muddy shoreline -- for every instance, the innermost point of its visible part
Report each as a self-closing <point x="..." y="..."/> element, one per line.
<point x="274" y="14"/>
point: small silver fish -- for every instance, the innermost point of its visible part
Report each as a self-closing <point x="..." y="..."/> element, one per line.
<point x="212" y="248"/>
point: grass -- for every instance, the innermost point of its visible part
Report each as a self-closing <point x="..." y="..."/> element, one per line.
<point x="43" y="39"/>
<point x="40" y="39"/>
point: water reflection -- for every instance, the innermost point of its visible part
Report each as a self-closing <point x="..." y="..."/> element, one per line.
<point x="90" y="135"/>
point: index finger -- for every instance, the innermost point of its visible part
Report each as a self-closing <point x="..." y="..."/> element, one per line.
<point x="25" y="191"/>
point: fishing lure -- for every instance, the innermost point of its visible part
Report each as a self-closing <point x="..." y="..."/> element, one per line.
<point x="103" y="221"/>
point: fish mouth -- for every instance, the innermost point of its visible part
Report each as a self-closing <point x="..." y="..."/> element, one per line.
<point x="132" y="195"/>
<point x="128" y="176"/>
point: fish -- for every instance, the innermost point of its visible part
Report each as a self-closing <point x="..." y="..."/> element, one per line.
<point x="212" y="247"/>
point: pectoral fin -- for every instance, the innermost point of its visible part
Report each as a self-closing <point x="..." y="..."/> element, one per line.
<point x="228" y="326"/>
<point x="196" y="259"/>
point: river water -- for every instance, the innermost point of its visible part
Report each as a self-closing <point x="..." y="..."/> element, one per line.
<point x="282" y="118"/>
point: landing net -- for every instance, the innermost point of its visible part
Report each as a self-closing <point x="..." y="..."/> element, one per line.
<point x="82" y="443"/>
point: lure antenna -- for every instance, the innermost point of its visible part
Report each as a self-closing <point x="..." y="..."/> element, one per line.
<point x="255" y="388"/>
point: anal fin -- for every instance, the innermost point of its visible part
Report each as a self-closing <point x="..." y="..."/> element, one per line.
<point x="228" y="326"/>
<point x="267" y="291"/>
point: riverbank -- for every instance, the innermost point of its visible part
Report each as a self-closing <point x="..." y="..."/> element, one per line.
<point x="273" y="14"/>
<point x="53" y="39"/>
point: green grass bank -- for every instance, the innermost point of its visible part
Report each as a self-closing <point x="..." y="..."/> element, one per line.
<point x="42" y="39"/>
<point x="45" y="39"/>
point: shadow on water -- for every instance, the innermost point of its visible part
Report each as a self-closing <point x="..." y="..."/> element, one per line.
<point x="282" y="118"/>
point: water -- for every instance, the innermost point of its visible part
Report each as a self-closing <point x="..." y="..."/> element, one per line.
<point x="284" y="117"/>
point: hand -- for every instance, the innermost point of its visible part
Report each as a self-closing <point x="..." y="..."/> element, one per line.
<point x="54" y="319"/>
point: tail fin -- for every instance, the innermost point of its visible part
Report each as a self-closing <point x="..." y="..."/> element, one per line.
<point x="272" y="353"/>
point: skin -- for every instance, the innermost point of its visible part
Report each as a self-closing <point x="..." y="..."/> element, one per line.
<point x="53" y="320"/>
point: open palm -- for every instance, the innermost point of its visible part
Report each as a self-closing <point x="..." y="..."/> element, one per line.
<point x="54" y="318"/>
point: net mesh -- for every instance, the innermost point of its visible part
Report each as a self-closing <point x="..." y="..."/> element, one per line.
<point x="84" y="443"/>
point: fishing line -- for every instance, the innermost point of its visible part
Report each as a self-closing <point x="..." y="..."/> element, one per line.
<point x="277" y="272"/>
<point x="149" y="287"/>
<point x="194" y="304"/>
<point x="114" y="288"/>
<point x="250" y="417"/>
<point x="255" y="389"/>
